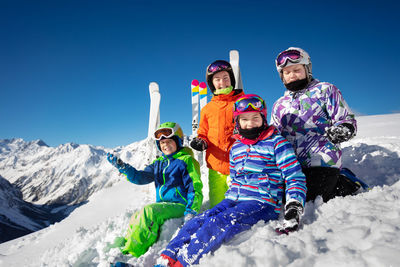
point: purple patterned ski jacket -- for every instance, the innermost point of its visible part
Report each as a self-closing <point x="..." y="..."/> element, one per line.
<point x="302" y="118"/>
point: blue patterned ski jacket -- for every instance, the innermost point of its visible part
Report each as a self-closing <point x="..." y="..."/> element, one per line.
<point x="176" y="178"/>
<point x="302" y="118"/>
<point x="260" y="171"/>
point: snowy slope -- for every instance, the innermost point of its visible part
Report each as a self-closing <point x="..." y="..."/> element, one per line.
<point x="361" y="230"/>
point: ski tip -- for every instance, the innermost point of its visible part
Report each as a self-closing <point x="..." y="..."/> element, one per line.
<point x="153" y="87"/>
<point x="153" y="84"/>
<point x="234" y="53"/>
<point x="203" y="85"/>
<point x="195" y="82"/>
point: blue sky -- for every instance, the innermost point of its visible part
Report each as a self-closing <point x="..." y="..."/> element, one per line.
<point x="78" y="71"/>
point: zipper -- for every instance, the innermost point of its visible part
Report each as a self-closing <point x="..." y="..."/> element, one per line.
<point x="163" y="173"/>
<point x="180" y="194"/>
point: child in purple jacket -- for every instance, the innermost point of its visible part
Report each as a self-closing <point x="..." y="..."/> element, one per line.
<point x="314" y="117"/>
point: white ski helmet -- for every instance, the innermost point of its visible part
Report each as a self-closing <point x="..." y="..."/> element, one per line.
<point x="293" y="56"/>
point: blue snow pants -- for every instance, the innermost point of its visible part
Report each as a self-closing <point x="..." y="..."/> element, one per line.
<point x="207" y="231"/>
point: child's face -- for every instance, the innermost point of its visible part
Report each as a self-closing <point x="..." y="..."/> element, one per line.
<point x="250" y="120"/>
<point x="221" y="80"/>
<point x="293" y="73"/>
<point x="168" y="146"/>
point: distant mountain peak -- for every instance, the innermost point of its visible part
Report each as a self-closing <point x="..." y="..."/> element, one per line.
<point x="40" y="142"/>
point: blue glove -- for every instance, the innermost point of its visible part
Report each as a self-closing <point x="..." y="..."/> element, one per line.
<point x="116" y="161"/>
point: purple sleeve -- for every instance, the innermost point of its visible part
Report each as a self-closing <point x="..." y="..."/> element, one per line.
<point x="338" y="109"/>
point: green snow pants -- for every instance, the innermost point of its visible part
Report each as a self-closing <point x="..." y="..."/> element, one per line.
<point x="217" y="185"/>
<point x="145" y="224"/>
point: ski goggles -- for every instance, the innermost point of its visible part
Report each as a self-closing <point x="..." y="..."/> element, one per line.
<point x="218" y="66"/>
<point x="250" y="104"/>
<point x="293" y="56"/>
<point x="163" y="132"/>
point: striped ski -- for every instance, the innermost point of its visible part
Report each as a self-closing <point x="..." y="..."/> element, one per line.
<point x="203" y="95"/>
<point x="199" y="100"/>
<point x="195" y="106"/>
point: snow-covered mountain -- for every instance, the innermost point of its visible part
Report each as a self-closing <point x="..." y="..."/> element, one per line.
<point x="41" y="185"/>
<point x="362" y="230"/>
<point x="18" y="217"/>
<point x="66" y="175"/>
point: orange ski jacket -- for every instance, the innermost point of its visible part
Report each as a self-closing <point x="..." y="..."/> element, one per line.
<point x="216" y="128"/>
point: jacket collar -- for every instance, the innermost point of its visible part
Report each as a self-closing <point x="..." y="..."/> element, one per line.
<point x="302" y="91"/>
<point x="264" y="135"/>
<point x="227" y="97"/>
<point x="180" y="152"/>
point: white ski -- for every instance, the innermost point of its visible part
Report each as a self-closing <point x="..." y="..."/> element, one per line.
<point x="234" y="60"/>
<point x="154" y="119"/>
<point x="195" y="107"/>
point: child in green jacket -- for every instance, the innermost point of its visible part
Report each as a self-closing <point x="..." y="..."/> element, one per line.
<point x="176" y="175"/>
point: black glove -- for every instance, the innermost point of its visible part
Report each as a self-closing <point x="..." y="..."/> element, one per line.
<point x="341" y="133"/>
<point x="116" y="161"/>
<point x="198" y="144"/>
<point x="293" y="211"/>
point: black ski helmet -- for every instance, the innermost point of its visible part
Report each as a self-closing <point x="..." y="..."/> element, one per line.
<point x="218" y="66"/>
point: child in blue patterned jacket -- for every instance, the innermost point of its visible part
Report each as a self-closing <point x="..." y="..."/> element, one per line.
<point x="262" y="162"/>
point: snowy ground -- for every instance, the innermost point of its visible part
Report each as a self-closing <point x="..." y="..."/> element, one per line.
<point x="361" y="230"/>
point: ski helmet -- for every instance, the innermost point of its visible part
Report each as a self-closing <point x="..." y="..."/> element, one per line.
<point x="293" y="56"/>
<point x="169" y="130"/>
<point x="218" y="66"/>
<point x="250" y="103"/>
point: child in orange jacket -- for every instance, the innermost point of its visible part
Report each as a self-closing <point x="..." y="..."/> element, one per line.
<point x="216" y="127"/>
